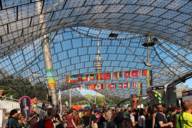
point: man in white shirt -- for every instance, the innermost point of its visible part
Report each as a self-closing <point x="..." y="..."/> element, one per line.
<point x="141" y="119"/>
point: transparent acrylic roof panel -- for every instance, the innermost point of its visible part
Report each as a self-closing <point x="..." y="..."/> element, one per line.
<point x="74" y="51"/>
<point x="23" y="21"/>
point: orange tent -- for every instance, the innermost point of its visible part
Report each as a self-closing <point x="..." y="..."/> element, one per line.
<point x="77" y="107"/>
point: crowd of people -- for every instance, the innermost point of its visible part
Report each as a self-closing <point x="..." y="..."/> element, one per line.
<point x="157" y="116"/>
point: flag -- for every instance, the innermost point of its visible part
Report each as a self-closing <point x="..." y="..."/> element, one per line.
<point x="125" y="85"/>
<point x="92" y="76"/>
<point x="74" y="79"/>
<point x="116" y="86"/>
<point x="134" y="85"/>
<point x="119" y="85"/>
<point x="111" y="86"/>
<point x="128" y="84"/>
<point x="84" y="77"/>
<point x="126" y="74"/>
<point x="116" y="75"/>
<point x="79" y="76"/>
<point x="99" y="76"/>
<point x="99" y="86"/>
<point x="67" y="78"/>
<point x="106" y="76"/>
<point x="144" y="72"/>
<point x="134" y="73"/>
<point x="91" y="86"/>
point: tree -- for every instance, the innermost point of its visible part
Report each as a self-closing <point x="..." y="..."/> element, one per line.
<point x="18" y="87"/>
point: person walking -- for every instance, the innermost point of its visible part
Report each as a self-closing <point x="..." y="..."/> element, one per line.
<point x="13" y="119"/>
<point x="184" y="119"/>
<point x="161" y="120"/>
<point x="141" y="119"/>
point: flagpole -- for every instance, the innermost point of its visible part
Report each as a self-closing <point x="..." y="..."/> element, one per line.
<point x="60" y="103"/>
<point x="151" y="77"/>
<point x="95" y="97"/>
<point x="70" y="98"/>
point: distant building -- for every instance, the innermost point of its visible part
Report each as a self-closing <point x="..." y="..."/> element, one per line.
<point x="180" y="88"/>
<point x="1" y="93"/>
<point x="9" y="105"/>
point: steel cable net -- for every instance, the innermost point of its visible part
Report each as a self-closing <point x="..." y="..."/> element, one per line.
<point x="74" y="52"/>
<point x="24" y="22"/>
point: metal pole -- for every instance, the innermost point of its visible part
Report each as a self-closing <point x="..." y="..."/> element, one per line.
<point x="60" y="103"/>
<point x="70" y="98"/>
<point x="49" y="71"/>
<point x="47" y="58"/>
<point x="95" y="97"/>
<point x="151" y="77"/>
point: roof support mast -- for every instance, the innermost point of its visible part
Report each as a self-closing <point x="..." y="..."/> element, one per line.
<point x="47" y="58"/>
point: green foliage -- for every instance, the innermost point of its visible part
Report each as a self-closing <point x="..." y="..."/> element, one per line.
<point x="18" y="87"/>
<point x="157" y="96"/>
<point x="113" y="100"/>
<point x="100" y="100"/>
<point x="81" y="102"/>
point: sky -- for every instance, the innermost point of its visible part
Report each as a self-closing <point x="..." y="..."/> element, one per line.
<point x="66" y="54"/>
<point x="189" y="82"/>
<point x="85" y="92"/>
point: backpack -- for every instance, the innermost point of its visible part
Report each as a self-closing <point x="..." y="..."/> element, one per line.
<point x="41" y="123"/>
<point x="185" y="122"/>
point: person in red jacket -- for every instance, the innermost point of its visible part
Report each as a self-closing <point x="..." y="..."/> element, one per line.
<point x="48" y="122"/>
<point x="70" y="120"/>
